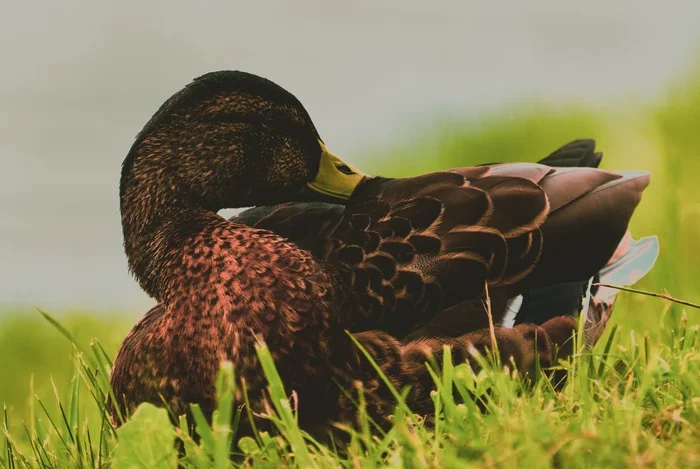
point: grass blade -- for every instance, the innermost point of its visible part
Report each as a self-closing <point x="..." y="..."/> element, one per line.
<point x="281" y="403"/>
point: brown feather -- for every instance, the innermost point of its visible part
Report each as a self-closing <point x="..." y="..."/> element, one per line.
<point x="581" y="237"/>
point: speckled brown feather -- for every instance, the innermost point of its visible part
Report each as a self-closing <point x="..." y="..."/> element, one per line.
<point x="276" y="292"/>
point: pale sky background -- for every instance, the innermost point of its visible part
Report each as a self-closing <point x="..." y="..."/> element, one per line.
<point x="78" y="79"/>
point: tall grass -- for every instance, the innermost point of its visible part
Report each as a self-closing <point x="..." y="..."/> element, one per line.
<point x="628" y="402"/>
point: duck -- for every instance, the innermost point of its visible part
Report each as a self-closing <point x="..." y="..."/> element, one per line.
<point x="332" y="257"/>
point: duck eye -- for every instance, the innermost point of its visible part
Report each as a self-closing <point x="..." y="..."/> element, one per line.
<point x="345" y="169"/>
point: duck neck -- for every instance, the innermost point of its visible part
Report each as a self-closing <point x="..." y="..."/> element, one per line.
<point x="157" y="224"/>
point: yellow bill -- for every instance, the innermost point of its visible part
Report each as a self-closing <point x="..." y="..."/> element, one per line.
<point x="335" y="178"/>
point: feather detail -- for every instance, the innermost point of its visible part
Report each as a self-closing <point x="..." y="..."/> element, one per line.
<point x="422" y="248"/>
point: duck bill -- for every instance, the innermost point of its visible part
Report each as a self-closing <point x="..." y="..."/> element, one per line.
<point x="335" y="178"/>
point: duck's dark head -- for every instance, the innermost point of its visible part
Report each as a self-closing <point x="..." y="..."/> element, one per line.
<point x="228" y="139"/>
<point x="231" y="138"/>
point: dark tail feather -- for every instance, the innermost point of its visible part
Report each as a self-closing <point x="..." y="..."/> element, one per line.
<point x="541" y="304"/>
<point x="631" y="261"/>
<point x="582" y="235"/>
<point x="589" y="213"/>
<point x="577" y="154"/>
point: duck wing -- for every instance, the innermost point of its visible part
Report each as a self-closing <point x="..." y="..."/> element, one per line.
<point x="630" y="262"/>
<point x="412" y="247"/>
<point x="442" y="237"/>
<point x="422" y="249"/>
<point x="590" y="213"/>
<point x="297" y="219"/>
<point x="409" y="248"/>
<point x="540" y="304"/>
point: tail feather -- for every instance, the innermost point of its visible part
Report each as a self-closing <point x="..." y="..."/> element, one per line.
<point x="631" y="260"/>
<point x="582" y="236"/>
<point x="577" y="154"/>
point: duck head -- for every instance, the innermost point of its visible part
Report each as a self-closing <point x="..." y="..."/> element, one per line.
<point x="232" y="138"/>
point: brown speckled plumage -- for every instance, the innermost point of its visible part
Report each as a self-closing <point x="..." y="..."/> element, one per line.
<point x="274" y="291"/>
<point x="402" y="253"/>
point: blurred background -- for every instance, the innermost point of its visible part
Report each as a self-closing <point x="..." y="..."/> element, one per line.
<point x="395" y="87"/>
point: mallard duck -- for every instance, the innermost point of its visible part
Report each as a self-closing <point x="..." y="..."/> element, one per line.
<point x="384" y="259"/>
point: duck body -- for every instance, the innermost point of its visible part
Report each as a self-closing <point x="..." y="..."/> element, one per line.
<point x="585" y="218"/>
<point x="389" y="257"/>
<point x="276" y="292"/>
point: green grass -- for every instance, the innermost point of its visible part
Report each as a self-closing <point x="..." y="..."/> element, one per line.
<point x="629" y="402"/>
<point x="632" y="401"/>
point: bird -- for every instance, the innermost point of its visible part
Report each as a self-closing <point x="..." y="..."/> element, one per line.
<point x="333" y="257"/>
